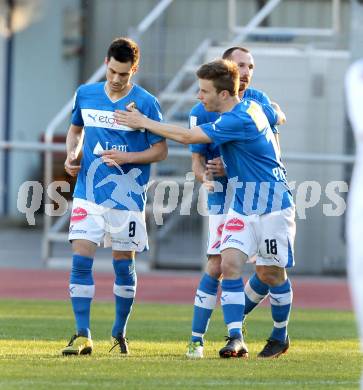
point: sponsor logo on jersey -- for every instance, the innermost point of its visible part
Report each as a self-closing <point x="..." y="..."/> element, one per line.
<point x="235" y="225"/>
<point x="78" y="214"/>
<point x="220" y="229"/>
<point x="100" y="118"/>
<point x="98" y="149"/>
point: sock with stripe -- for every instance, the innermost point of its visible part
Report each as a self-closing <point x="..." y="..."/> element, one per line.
<point x="281" y="300"/>
<point x="204" y="304"/>
<point x="255" y="292"/>
<point x="124" y="290"/>
<point x="233" y="304"/>
<point x="82" y="290"/>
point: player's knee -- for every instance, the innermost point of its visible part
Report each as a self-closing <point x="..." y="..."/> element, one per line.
<point x="230" y="268"/>
<point x="272" y="276"/>
<point x="213" y="267"/>
<point x="84" y="248"/>
<point x="123" y="255"/>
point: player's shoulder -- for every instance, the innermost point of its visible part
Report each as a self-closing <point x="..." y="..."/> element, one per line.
<point x="233" y="117"/>
<point x="198" y="110"/>
<point x="256" y="94"/>
<point x="241" y="108"/>
<point x="241" y="111"/>
<point x="89" y="89"/>
<point x="143" y="94"/>
<point x="202" y="115"/>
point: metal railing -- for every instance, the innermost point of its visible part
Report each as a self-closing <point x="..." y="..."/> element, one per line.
<point x="238" y="35"/>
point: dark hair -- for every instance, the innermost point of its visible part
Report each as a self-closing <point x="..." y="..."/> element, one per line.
<point x="124" y="50"/>
<point x="227" y="54"/>
<point x="223" y="73"/>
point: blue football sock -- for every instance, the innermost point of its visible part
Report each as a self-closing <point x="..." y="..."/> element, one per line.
<point x="281" y="300"/>
<point x="124" y="290"/>
<point x="204" y="303"/>
<point x="82" y="289"/>
<point x="233" y="304"/>
<point x="255" y="292"/>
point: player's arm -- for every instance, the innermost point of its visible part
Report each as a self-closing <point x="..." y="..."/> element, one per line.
<point x="176" y="133"/>
<point x="277" y="139"/>
<point x="281" y="117"/>
<point x="263" y="99"/>
<point x="157" y="152"/>
<point x="201" y="172"/>
<point x="274" y="115"/>
<point x="198" y="166"/>
<point x="74" y="142"/>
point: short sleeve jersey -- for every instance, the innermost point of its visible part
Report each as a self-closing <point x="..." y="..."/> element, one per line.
<point x="121" y="187"/>
<point x="198" y="116"/>
<point x="251" y="158"/>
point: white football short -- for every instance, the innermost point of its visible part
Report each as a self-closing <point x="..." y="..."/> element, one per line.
<point x="269" y="237"/>
<point x="216" y="223"/>
<point x="122" y="230"/>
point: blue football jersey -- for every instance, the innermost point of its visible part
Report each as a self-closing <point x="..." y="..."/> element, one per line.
<point x="198" y="116"/>
<point x="121" y="187"/>
<point x="251" y="158"/>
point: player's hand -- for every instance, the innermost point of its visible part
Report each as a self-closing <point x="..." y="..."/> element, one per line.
<point x="71" y="165"/>
<point x="208" y="182"/>
<point x="280" y="114"/>
<point x="115" y="157"/>
<point x="215" y="167"/>
<point x="133" y="119"/>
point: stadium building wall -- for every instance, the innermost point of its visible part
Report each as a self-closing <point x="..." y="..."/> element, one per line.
<point x="44" y="76"/>
<point x="186" y="23"/>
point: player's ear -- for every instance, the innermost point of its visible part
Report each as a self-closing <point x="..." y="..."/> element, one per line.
<point x="135" y="68"/>
<point x="106" y="61"/>
<point x="224" y="94"/>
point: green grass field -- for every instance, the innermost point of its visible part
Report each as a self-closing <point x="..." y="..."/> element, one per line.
<point x="324" y="353"/>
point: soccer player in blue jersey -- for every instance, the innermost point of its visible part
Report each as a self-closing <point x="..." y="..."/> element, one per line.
<point x="208" y="168"/>
<point x="261" y="217"/>
<point x="110" y="193"/>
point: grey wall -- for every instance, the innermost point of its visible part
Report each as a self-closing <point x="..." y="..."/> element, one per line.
<point x="169" y="41"/>
<point x="185" y="24"/>
<point x="43" y="81"/>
